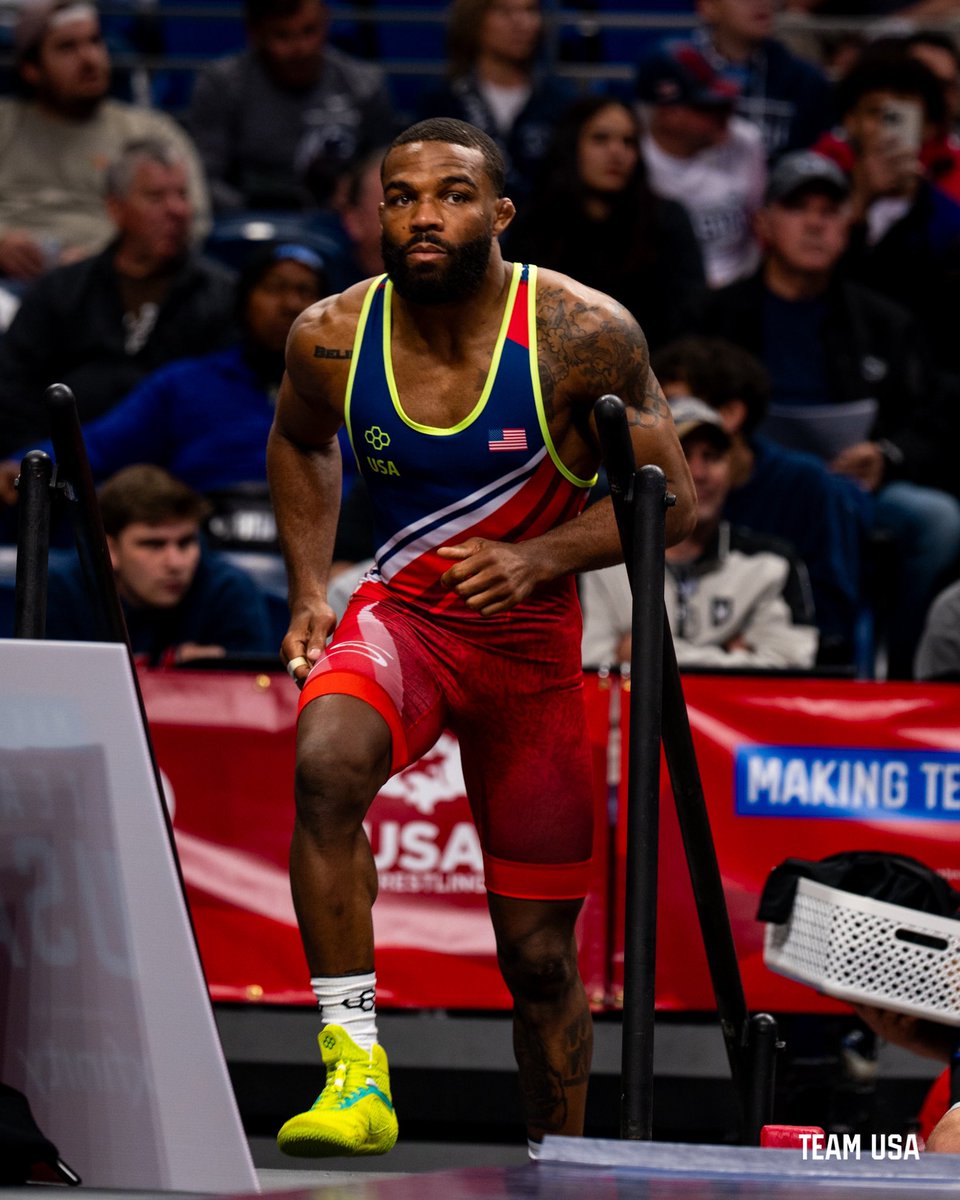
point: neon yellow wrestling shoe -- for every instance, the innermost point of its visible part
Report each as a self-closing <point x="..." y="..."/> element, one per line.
<point x="354" y="1112"/>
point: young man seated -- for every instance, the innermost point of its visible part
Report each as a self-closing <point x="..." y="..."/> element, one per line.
<point x="179" y="602"/>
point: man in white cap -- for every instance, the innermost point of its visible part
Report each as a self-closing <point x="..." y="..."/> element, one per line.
<point x="56" y="143"/>
<point x="734" y="599"/>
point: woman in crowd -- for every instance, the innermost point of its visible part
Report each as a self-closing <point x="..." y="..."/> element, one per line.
<point x="593" y="216"/>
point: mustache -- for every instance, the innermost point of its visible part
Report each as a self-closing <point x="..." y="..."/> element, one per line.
<point x="426" y="239"/>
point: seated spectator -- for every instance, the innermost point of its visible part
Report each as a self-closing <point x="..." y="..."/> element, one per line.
<point x="938" y="653"/>
<point x="734" y="599"/>
<point x="905" y="236"/>
<point x="785" y="96"/>
<point x="782" y="493"/>
<point x="102" y="325"/>
<point x="701" y="155"/>
<point x="56" y="143"/>
<point x="179" y="602"/>
<point x="276" y="124"/>
<point x="206" y="419"/>
<point x="594" y="217"/>
<point x="850" y="379"/>
<point x="495" y="83"/>
<point x="359" y="210"/>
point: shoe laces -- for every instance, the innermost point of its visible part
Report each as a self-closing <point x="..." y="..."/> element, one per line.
<point x="348" y="1077"/>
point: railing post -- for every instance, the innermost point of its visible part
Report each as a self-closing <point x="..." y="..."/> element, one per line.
<point x="33" y="545"/>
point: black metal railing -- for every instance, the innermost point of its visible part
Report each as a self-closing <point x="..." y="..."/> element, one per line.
<point x="657" y="710"/>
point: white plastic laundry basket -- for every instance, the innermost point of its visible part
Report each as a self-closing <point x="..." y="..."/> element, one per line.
<point x="869" y="951"/>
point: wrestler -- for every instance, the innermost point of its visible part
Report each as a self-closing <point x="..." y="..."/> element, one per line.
<point x="467" y="386"/>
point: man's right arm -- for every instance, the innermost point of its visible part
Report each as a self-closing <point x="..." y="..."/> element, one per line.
<point x="304" y="471"/>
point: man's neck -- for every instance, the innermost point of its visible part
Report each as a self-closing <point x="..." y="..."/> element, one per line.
<point x="448" y="329"/>
<point x="502" y="72"/>
<point x="734" y="49"/>
<point x="73" y="113"/>
<point x="789" y="284"/>
<point x="138" y="264"/>
<point x="693" y="548"/>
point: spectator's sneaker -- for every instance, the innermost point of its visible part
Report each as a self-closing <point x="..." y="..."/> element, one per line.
<point x="354" y="1112"/>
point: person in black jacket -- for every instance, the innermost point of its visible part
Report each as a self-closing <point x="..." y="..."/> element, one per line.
<point x="496" y="82"/>
<point x="851" y="379"/>
<point x="787" y="97"/>
<point x="103" y="324"/>
<point x="594" y="217"/>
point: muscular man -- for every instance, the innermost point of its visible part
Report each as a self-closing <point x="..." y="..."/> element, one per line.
<point x="467" y="385"/>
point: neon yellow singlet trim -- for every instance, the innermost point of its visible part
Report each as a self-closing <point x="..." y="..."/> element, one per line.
<point x="355" y="357"/>
<point x="538" y="394"/>
<point x="478" y="408"/>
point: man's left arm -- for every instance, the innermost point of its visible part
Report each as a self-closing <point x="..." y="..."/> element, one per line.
<point x="589" y="346"/>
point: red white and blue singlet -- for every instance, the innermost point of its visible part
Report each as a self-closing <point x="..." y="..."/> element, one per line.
<point x="494" y="475"/>
<point x="510" y="685"/>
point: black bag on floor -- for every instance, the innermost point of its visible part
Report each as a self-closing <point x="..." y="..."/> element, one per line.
<point x="894" y="878"/>
<point x="25" y="1152"/>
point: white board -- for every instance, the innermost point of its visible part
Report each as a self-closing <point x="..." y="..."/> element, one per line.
<point x="106" y="1020"/>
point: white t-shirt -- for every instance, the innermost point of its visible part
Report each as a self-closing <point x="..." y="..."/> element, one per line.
<point x="721" y="188"/>
<point x="504" y="103"/>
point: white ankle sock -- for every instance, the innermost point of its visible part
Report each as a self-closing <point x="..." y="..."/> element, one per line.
<point x="350" y="1002"/>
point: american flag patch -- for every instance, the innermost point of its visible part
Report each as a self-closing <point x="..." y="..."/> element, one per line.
<point x="507" y="439"/>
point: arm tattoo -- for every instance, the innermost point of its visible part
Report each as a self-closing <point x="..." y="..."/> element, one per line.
<point x="331" y="352"/>
<point x="652" y="407"/>
<point x="592" y="350"/>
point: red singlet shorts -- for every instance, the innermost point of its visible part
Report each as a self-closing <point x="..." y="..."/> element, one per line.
<point x="511" y="690"/>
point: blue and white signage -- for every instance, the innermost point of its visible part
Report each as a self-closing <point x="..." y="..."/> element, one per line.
<point x="834" y="782"/>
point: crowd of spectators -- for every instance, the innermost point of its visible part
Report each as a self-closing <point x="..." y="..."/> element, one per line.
<point x="786" y="231"/>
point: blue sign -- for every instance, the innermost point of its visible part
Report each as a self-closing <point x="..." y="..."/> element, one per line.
<point x="834" y="782"/>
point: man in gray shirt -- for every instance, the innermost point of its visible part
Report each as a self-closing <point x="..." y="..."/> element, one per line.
<point x="277" y="124"/>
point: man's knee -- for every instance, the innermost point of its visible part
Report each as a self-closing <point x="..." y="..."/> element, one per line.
<point x="343" y="759"/>
<point x="540" y="967"/>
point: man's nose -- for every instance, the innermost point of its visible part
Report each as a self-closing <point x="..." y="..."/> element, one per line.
<point x="427" y="214"/>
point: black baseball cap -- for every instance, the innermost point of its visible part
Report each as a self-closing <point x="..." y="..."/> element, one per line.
<point x="678" y="73"/>
<point x="806" y="170"/>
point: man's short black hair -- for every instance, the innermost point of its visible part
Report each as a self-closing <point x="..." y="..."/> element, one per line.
<point x="716" y="371"/>
<point x="149" y="495"/>
<point x="888" y="68"/>
<point x="458" y="133"/>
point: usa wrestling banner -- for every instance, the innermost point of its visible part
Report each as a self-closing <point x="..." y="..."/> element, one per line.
<point x="225" y="744"/>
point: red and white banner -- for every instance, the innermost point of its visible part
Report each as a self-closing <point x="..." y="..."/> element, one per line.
<point x="796" y="768"/>
<point x="790" y="768"/>
<point x="225" y="744"/>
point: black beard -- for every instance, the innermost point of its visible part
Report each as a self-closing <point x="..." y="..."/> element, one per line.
<point x="465" y="268"/>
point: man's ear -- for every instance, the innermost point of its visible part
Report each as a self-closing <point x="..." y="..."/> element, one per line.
<point x="30" y="74"/>
<point x="733" y="413"/>
<point x="114" y="551"/>
<point x="506" y="211"/>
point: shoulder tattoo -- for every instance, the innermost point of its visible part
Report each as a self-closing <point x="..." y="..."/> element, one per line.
<point x="595" y="349"/>
<point x="331" y="352"/>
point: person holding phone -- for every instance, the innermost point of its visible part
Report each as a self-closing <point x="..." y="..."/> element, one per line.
<point x="905" y="236"/>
